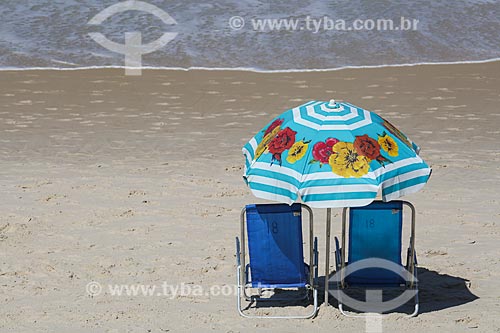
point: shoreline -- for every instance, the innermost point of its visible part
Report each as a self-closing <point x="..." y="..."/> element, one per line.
<point x="250" y="69"/>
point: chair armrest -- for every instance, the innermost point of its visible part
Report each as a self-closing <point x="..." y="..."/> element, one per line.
<point x="316" y="257"/>
<point x="316" y="253"/>
<point x="408" y="254"/>
<point x="238" y="252"/>
<point x="413" y="269"/>
<point x="247" y="273"/>
<point x="338" y="255"/>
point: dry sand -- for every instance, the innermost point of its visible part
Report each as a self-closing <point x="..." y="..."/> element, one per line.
<point x="137" y="180"/>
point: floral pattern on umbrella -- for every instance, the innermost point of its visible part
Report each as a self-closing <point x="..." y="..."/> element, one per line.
<point x="332" y="157"/>
<point x="277" y="140"/>
<point x="352" y="159"/>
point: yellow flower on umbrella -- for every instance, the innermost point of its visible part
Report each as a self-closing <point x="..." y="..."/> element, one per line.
<point x="297" y="151"/>
<point x="264" y="144"/>
<point x="388" y="144"/>
<point x="397" y="133"/>
<point x="346" y="162"/>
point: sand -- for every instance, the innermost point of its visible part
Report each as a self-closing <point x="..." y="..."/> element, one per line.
<point x="138" y="180"/>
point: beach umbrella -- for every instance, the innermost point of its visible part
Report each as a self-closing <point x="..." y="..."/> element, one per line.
<point x="332" y="154"/>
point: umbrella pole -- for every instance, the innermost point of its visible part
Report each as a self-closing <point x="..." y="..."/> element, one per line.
<point x="327" y="250"/>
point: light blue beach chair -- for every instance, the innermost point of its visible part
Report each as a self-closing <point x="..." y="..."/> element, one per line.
<point x="375" y="232"/>
<point x="276" y="259"/>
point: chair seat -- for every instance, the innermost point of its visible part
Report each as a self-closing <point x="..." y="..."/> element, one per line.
<point x="300" y="284"/>
<point x="374" y="276"/>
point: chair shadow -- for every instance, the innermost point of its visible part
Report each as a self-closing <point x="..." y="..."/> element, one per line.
<point x="283" y="298"/>
<point x="442" y="291"/>
<point x="436" y="292"/>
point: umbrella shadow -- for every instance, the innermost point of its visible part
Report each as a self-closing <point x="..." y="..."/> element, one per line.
<point x="436" y="292"/>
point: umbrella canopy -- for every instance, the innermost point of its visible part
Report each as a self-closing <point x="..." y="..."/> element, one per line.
<point x="332" y="155"/>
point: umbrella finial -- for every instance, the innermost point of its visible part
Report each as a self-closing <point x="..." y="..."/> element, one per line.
<point x="334" y="105"/>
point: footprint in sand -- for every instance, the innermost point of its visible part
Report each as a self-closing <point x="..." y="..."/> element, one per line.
<point x="455" y="106"/>
<point x="160" y="123"/>
<point x="440" y="98"/>
<point x="25" y="102"/>
<point x="228" y="124"/>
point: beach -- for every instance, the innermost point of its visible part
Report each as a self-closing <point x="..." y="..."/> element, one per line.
<point x="128" y="180"/>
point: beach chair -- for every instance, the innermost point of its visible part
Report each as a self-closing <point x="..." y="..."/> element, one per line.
<point x="375" y="232"/>
<point x="276" y="271"/>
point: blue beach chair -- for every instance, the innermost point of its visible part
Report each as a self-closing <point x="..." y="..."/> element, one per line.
<point x="375" y="232"/>
<point x="276" y="259"/>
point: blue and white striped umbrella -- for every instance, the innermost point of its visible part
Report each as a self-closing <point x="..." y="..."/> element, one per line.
<point x="330" y="155"/>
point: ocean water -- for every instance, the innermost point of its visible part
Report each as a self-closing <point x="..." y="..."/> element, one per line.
<point x="55" y="34"/>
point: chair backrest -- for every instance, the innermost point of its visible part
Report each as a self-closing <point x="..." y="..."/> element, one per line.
<point x="375" y="231"/>
<point x="275" y="245"/>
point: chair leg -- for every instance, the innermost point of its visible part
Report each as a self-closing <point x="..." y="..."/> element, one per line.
<point x="415" y="312"/>
<point x="239" y="292"/>
<point x="306" y="316"/>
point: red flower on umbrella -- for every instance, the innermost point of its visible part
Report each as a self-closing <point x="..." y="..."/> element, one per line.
<point x="281" y="142"/>
<point x="366" y="146"/>
<point x="322" y="150"/>
<point x="274" y="124"/>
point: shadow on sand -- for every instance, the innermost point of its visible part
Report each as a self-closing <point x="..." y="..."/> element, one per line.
<point x="442" y="291"/>
<point x="436" y="292"/>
